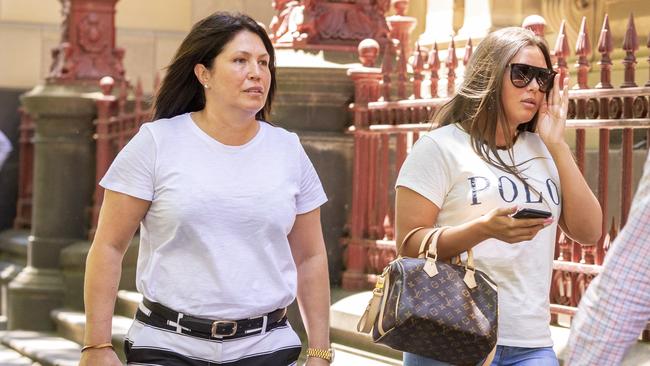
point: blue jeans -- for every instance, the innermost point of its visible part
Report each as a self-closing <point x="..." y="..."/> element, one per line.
<point x="505" y="356"/>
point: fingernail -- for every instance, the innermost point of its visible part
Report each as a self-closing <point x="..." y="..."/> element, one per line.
<point x="548" y="221"/>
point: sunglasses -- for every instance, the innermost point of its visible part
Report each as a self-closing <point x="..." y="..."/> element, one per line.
<point x="522" y="74"/>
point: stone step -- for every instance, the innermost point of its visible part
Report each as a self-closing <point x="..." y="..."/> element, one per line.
<point x="44" y="349"/>
<point x="70" y="325"/>
<point x="344" y="316"/>
<point x="347" y="356"/>
<point x="9" y="357"/>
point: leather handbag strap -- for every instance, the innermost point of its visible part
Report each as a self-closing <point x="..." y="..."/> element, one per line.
<point x="490" y="357"/>
<point x="433" y="246"/>
<point x="407" y="237"/>
<point x="425" y="240"/>
<point x="369" y="316"/>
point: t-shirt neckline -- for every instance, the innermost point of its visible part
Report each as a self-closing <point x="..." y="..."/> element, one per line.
<point x="214" y="142"/>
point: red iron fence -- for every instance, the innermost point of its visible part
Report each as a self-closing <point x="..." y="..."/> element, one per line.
<point x="119" y="117"/>
<point x="385" y="128"/>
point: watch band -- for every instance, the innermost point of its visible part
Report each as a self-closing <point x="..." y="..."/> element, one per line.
<point x="325" y="354"/>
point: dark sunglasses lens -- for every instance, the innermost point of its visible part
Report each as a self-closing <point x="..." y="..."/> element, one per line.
<point x="521" y="75"/>
<point x="545" y="80"/>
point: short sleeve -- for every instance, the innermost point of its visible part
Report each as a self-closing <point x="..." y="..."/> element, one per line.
<point x="311" y="195"/>
<point x="425" y="172"/>
<point x="5" y="148"/>
<point x="132" y="171"/>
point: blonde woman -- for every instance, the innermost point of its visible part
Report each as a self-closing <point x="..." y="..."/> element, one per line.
<point x="500" y="147"/>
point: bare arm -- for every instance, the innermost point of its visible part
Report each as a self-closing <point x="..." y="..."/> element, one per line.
<point x="119" y="218"/>
<point x="413" y="210"/>
<point x="308" y="249"/>
<point x="581" y="216"/>
<point x="577" y="199"/>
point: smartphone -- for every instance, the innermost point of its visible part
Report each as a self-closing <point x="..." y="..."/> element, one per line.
<point x="531" y="213"/>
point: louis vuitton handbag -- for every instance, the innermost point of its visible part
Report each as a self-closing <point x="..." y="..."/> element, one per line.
<point x="435" y="309"/>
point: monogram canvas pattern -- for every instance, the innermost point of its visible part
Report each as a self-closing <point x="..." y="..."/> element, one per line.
<point x="438" y="317"/>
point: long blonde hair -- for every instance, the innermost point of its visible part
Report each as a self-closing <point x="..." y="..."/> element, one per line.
<point x="477" y="106"/>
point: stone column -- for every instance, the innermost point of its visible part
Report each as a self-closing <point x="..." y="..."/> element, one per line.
<point x="477" y="20"/>
<point x="63" y="111"/>
<point x="63" y="186"/>
<point x="440" y="22"/>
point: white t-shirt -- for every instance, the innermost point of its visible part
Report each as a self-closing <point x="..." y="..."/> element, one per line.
<point x="214" y="241"/>
<point x="443" y="167"/>
<point x="5" y="148"/>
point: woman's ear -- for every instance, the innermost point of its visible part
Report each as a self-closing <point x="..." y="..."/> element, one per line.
<point x="202" y="74"/>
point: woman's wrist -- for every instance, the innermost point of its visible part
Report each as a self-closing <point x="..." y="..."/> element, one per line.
<point x="481" y="227"/>
<point x="558" y="148"/>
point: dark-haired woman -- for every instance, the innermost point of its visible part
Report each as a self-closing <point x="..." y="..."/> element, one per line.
<point x="500" y="146"/>
<point x="228" y="210"/>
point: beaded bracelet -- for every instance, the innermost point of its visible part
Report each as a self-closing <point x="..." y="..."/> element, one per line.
<point x="97" y="346"/>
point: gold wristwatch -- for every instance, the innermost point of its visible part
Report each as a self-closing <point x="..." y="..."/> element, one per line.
<point x="325" y="354"/>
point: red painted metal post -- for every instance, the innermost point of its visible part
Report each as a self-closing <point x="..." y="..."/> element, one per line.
<point x="561" y="53"/>
<point x="356" y="258"/>
<point x="103" y="152"/>
<point x="87" y="49"/>
<point x="382" y="200"/>
<point x="469" y="48"/>
<point x="630" y="45"/>
<point x="401" y="27"/>
<point x="535" y="23"/>
<point x="418" y="66"/>
<point x="605" y="47"/>
<point x="451" y="63"/>
<point x="366" y="81"/>
<point x="390" y="52"/>
<point x="434" y="66"/>
<point x="372" y="228"/>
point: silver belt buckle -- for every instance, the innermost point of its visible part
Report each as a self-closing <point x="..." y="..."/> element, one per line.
<point x="216" y="323"/>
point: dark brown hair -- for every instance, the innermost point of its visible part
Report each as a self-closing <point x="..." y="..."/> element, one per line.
<point x="180" y="91"/>
<point x="477" y="106"/>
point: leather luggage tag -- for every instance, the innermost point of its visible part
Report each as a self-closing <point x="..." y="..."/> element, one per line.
<point x="430" y="267"/>
<point x="469" y="279"/>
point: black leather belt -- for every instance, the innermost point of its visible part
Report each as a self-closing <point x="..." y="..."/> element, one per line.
<point x="164" y="317"/>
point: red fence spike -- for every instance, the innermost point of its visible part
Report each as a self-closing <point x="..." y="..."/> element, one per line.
<point x="451" y="63"/>
<point x="434" y="66"/>
<point x="468" y="51"/>
<point x="418" y="66"/>
<point x="561" y="52"/>
<point x="605" y="47"/>
<point x="630" y="46"/>
<point x="583" y="50"/>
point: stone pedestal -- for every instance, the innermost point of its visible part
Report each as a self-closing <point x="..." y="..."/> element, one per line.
<point x="63" y="186"/>
<point x="312" y="100"/>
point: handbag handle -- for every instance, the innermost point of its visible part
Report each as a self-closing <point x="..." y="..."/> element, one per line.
<point x="432" y="255"/>
<point x="407" y="237"/>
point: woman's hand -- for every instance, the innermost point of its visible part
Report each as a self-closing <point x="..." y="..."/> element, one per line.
<point x="551" y="119"/>
<point x="100" y="356"/>
<point x="500" y="225"/>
